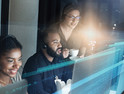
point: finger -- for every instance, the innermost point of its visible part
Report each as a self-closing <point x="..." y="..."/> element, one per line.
<point x="81" y="56"/>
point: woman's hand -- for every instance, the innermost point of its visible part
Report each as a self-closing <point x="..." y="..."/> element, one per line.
<point x="65" y="52"/>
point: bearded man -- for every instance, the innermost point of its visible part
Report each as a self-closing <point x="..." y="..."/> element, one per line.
<point x="51" y="53"/>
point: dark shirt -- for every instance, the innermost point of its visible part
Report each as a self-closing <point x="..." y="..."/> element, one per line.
<point x="43" y="83"/>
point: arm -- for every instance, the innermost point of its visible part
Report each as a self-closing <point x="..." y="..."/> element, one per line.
<point x="82" y="52"/>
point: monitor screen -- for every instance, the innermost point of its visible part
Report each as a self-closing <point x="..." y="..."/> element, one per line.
<point x="15" y="88"/>
<point x="93" y="75"/>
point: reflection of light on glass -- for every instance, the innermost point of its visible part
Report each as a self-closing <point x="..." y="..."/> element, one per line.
<point x="113" y="28"/>
<point x="92" y="43"/>
<point x="90" y="33"/>
<point x="114" y="24"/>
<point x="93" y="29"/>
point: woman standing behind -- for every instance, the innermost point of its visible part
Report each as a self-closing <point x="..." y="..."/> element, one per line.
<point x="10" y="60"/>
<point x="68" y="29"/>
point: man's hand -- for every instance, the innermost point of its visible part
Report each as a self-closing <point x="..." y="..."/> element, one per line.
<point x="65" y="52"/>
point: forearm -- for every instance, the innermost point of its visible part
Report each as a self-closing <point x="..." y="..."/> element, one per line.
<point x="82" y="51"/>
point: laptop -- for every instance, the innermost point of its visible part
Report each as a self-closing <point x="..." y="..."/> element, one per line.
<point x="87" y="75"/>
<point x="15" y="88"/>
<point x="120" y="86"/>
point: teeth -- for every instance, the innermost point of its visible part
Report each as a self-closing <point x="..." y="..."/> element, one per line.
<point x="13" y="71"/>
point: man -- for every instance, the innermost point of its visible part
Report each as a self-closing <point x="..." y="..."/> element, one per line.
<point x="50" y="54"/>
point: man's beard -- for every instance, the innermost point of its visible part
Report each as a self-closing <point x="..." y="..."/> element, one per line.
<point x="53" y="53"/>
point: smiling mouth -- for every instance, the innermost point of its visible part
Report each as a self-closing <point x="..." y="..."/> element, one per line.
<point x="59" y="51"/>
<point x="73" y="24"/>
<point x="13" y="71"/>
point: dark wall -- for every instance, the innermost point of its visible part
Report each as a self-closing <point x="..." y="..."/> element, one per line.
<point x="49" y="10"/>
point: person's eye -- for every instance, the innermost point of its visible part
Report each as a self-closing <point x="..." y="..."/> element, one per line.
<point x="56" y="42"/>
<point x="20" y="59"/>
<point x="72" y="17"/>
<point x="78" y="17"/>
<point x="10" y="60"/>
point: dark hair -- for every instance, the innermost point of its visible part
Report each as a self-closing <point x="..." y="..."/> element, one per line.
<point x="44" y="34"/>
<point x="8" y="43"/>
<point x="68" y="8"/>
<point x="43" y="37"/>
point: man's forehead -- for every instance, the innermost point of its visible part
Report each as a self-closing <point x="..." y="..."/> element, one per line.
<point x="53" y="36"/>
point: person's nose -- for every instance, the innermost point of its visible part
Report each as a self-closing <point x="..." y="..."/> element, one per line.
<point x="17" y="64"/>
<point x="59" y="44"/>
<point x="75" y="20"/>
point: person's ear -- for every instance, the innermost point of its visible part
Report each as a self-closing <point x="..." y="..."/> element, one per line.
<point x="44" y="46"/>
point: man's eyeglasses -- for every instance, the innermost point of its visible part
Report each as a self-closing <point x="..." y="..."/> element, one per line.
<point x="73" y="17"/>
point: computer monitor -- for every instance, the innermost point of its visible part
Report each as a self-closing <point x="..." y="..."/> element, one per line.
<point x="93" y="75"/>
<point x="120" y="85"/>
<point x="15" y="88"/>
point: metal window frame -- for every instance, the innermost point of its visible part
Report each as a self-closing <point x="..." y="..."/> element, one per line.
<point x="4" y="17"/>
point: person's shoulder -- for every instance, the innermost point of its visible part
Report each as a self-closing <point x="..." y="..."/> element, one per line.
<point x="34" y="61"/>
<point x="35" y="56"/>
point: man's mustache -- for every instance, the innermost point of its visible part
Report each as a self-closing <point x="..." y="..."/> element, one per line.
<point x="60" y="48"/>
